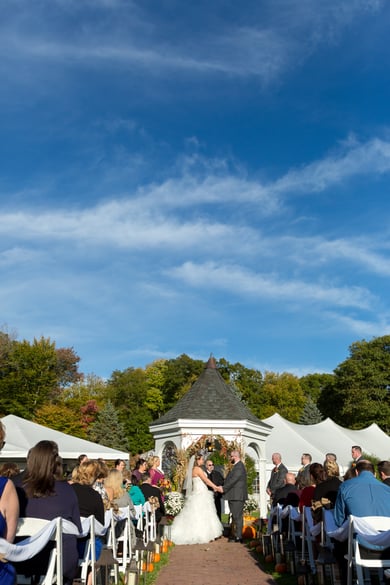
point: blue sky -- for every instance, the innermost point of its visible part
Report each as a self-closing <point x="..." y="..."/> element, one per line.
<point x="208" y="177"/>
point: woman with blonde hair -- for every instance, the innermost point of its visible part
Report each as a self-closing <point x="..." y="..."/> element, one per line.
<point x="155" y="473"/>
<point x="118" y="496"/>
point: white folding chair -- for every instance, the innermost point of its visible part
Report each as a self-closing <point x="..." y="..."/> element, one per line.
<point x="373" y="534"/>
<point x="121" y="544"/>
<point x="150" y="530"/>
<point x="38" y="533"/>
<point x="90" y="527"/>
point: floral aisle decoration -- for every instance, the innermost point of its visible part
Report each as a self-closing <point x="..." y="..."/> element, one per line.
<point x="174" y="502"/>
<point x="165" y="486"/>
<point x="250" y="506"/>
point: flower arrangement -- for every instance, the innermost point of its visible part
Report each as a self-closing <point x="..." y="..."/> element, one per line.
<point x="174" y="502"/>
<point x="251" y="505"/>
<point x="165" y="485"/>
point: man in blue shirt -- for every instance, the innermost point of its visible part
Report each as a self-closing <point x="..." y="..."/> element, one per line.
<point x="362" y="495"/>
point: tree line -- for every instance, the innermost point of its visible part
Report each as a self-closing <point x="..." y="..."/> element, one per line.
<point x="42" y="383"/>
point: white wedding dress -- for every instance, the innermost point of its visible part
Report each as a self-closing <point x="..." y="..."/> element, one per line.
<point x="198" y="522"/>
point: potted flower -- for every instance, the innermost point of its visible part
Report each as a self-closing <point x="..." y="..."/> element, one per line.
<point x="173" y="503"/>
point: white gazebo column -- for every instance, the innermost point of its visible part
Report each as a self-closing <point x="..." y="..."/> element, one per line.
<point x="263" y="487"/>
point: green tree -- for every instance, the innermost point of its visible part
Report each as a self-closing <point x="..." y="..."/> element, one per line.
<point x="360" y="393"/>
<point x="155" y="379"/>
<point x="283" y="394"/>
<point x="128" y="391"/>
<point x="314" y="384"/>
<point x="180" y="374"/>
<point x="311" y="414"/>
<point x="60" y="418"/>
<point x="108" y="430"/>
<point x="245" y="381"/>
<point x="28" y="376"/>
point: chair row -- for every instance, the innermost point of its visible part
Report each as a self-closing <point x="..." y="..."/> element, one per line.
<point x="118" y="533"/>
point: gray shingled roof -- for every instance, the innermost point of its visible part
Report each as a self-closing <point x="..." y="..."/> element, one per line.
<point x="209" y="398"/>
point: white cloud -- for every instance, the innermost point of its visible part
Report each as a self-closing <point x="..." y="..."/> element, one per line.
<point x="242" y="282"/>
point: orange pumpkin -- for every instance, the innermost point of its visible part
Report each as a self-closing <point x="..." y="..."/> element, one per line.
<point x="164" y="546"/>
<point x="281" y="567"/>
<point x="253" y="543"/>
<point x="248" y="532"/>
<point x="260" y="549"/>
<point x="269" y="559"/>
<point x="156" y="557"/>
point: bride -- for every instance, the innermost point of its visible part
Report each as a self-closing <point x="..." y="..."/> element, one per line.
<point x="198" y="522"/>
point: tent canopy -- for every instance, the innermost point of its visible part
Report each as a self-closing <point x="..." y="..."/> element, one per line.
<point x="22" y="434"/>
<point x="291" y="440"/>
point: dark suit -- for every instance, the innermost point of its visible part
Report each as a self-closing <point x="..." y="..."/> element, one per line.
<point x="150" y="490"/>
<point x="303" y="478"/>
<point x="386" y="480"/>
<point x="276" y="481"/>
<point x="236" y="493"/>
<point x="217" y="479"/>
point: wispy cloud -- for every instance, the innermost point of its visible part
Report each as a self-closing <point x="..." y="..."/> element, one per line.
<point x="239" y="281"/>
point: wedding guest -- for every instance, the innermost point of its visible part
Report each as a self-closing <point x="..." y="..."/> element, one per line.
<point x="41" y="495"/>
<point x="119" y="497"/>
<point x="317" y="474"/>
<point x="9" y="514"/>
<point x="9" y="469"/>
<point x="288" y="492"/>
<point x="120" y="465"/>
<point x="384" y="471"/>
<point x="149" y="491"/>
<point x="98" y="486"/>
<point x="90" y="502"/>
<point x="135" y="492"/>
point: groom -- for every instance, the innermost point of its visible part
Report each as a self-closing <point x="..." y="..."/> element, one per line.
<point x="235" y="491"/>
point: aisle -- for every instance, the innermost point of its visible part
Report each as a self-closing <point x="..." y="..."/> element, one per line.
<point x="217" y="563"/>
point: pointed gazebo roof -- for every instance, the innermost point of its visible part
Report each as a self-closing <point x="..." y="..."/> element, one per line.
<point x="209" y="397"/>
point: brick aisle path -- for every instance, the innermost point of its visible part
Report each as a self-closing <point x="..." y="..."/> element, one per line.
<point x="217" y="563"/>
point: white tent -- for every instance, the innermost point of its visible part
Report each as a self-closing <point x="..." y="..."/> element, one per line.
<point x="291" y="440"/>
<point x="22" y="434"/>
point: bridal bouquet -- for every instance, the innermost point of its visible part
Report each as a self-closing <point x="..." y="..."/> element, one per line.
<point x="173" y="503"/>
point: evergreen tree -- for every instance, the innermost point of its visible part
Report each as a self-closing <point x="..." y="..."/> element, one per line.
<point x="107" y="429"/>
<point x="311" y="414"/>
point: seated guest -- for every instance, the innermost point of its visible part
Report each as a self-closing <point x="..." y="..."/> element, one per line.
<point x="118" y="496"/>
<point x="151" y="491"/>
<point x="317" y="474"/>
<point x="384" y="471"/>
<point x="288" y="494"/>
<point x="41" y="495"/>
<point x="9" y="470"/>
<point x="9" y="514"/>
<point x="135" y="492"/>
<point x="90" y="502"/>
<point x="328" y="488"/>
<point x="363" y="495"/>
<point x="98" y="485"/>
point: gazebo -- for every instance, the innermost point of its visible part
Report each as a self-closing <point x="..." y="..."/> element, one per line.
<point x="210" y="407"/>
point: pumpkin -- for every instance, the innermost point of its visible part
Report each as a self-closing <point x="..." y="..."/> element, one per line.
<point x="281" y="567"/>
<point x="259" y="549"/>
<point x="148" y="567"/>
<point x="164" y="546"/>
<point x="253" y="543"/>
<point x="269" y="559"/>
<point x="248" y="532"/>
<point x="156" y="557"/>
